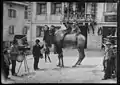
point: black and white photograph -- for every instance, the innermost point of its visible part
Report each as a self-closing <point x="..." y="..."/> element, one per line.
<point x="59" y="42"/>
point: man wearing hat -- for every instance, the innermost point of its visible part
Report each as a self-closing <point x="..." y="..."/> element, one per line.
<point x="14" y="53"/>
<point x="107" y="60"/>
<point x="37" y="54"/>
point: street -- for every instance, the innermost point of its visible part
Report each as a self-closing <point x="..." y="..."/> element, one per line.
<point x="90" y="70"/>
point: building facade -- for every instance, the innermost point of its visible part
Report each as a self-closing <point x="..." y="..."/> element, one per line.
<point x="49" y="13"/>
<point x="15" y="20"/>
<point x="44" y="13"/>
<point x="55" y="13"/>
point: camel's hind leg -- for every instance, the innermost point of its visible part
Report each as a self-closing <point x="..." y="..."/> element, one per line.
<point x="81" y="56"/>
<point x="62" y="59"/>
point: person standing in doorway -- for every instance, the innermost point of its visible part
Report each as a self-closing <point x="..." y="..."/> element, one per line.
<point x="37" y="54"/>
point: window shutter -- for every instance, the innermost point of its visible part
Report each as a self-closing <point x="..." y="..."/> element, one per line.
<point x="11" y="29"/>
<point x="52" y="8"/>
<point x="37" y="31"/>
<point x="14" y="13"/>
<point x="38" y="9"/>
<point x="8" y="12"/>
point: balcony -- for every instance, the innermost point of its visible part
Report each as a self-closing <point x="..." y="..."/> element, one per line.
<point x="78" y="17"/>
<point x="19" y="3"/>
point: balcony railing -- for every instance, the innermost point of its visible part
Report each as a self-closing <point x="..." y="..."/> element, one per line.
<point x="78" y="17"/>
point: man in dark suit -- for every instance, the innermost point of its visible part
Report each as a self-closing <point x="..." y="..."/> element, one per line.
<point x="37" y="54"/>
<point x="14" y="53"/>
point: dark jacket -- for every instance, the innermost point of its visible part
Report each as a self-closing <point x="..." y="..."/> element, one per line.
<point x="52" y="31"/>
<point x="46" y="36"/>
<point x="58" y="49"/>
<point x="37" y="51"/>
<point x="14" y="52"/>
<point x="109" y="54"/>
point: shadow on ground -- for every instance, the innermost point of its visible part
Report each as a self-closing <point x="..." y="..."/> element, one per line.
<point x="87" y="66"/>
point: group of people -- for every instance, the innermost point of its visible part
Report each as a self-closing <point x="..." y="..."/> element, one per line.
<point x="10" y="54"/>
<point x="9" y="57"/>
<point x="109" y="61"/>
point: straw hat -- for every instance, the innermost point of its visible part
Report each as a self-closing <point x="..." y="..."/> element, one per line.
<point x="108" y="43"/>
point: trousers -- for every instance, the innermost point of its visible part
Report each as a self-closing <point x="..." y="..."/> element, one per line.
<point x="13" y="66"/>
<point x="108" y="69"/>
<point x="36" y="61"/>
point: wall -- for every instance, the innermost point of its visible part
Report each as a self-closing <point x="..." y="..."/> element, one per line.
<point x="18" y="22"/>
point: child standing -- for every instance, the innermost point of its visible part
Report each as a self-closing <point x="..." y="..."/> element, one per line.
<point x="37" y="54"/>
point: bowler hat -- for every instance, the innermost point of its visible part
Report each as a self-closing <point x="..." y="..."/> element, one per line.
<point x="37" y="40"/>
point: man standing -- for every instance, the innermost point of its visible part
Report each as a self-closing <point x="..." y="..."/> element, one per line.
<point x="14" y="53"/>
<point x="107" y="59"/>
<point x="6" y="63"/>
<point x="37" y="54"/>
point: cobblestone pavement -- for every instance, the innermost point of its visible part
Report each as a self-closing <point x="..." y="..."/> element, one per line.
<point x="90" y="71"/>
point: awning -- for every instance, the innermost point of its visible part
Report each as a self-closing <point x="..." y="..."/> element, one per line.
<point x="12" y="37"/>
<point x="8" y="38"/>
<point x="19" y="36"/>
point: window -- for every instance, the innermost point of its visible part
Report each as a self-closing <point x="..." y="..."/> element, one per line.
<point x="26" y="13"/>
<point x="41" y="8"/>
<point x="11" y="29"/>
<point x="11" y="13"/>
<point x="56" y="8"/>
<point x="25" y="30"/>
<point x="110" y="12"/>
<point x="111" y="7"/>
<point x="111" y="18"/>
<point x="39" y="31"/>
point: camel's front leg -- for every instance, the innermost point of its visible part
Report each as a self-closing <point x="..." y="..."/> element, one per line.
<point x="81" y="56"/>
<point x="76" y="63"/>
<point x="59" y="60"/>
